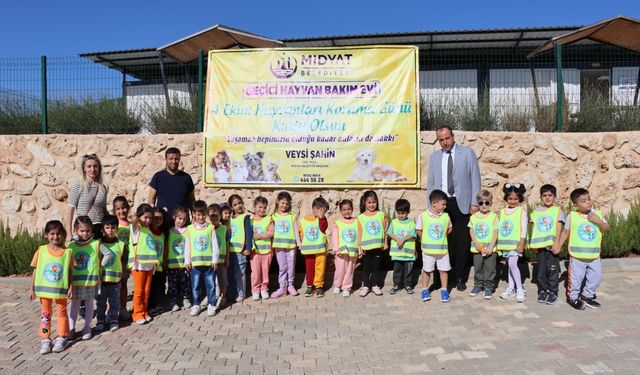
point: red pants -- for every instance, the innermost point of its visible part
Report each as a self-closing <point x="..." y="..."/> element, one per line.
<point x="314" y="269"/>
<point x="44" y="329"/>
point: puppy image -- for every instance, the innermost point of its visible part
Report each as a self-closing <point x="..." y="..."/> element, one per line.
<point x="221" y="161"/>
<point x="271" y="171"/>
<point x="254" y="166"/>
<point x="239" y="173"/>
<point x="365" y="158"/>
<point x="384" y="173"/>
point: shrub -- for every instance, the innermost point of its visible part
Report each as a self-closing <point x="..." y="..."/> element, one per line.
<point x="174" y="119"/>
<point x="16" y="252"/>
<point x="18" y="117"/>
<point x="106" y="116"/>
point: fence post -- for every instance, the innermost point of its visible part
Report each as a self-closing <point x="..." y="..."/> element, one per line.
<point x="43" y="95"/>
<point x="559" y="88"/>
<point x="200" y="91"/>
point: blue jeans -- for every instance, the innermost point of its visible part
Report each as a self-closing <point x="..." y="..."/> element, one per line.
<point x="206" y="275"/>
<point x="237" y="272"/>
<point x="108" y="292"/>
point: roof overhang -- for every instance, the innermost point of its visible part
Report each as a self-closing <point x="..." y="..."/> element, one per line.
<point x="618" y="31"/>
<point x="186" y="49"/>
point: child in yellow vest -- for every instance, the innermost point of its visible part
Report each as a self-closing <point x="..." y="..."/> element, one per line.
<point x="344" y="238"/>
<point x="121" y="209"/>
<point x="111" y="275"/>
<point x="240" y="245"/>
<point x="313" y="246"/>
<point x="372" y="227"/>
<point x="51" y="282"/>
<point x="402" y="232"/>
<point x="158" y="294"/>
<point x="201" y="255"/>
<point x="547" y="222"/>
<point x="483" y="229"/>
<point x="583" y="228"/>
<point x="433" y="226"/>
<point x="223" y="236"/>
<point x="145" y="243"/>
<point x="512" y="233"/>
<point x="178" y="276"/>
<point x="286" y="237"/>
<point x="261" y="253"/>
<point x="86" y="272"/>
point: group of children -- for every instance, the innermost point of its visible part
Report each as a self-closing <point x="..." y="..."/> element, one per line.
<point x="208" y="258"/>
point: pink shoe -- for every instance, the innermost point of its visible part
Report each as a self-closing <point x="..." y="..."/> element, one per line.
<point x="278" y="293"/>
<point x="292" y="291"/>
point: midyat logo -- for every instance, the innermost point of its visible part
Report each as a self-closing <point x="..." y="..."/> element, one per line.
<point x="284" y="66"/>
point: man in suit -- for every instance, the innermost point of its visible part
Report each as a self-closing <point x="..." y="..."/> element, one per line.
<point x="455" y="170"/>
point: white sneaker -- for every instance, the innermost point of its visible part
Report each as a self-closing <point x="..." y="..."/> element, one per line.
<point x="87" y="336"/>
<point x="211" y="310"/>
<point x="45" y="346"/>
<point x="175" y="308"/>
<point x="521" y="295"/>
<point x="186" y="303"/>
<point x="264" y="295"/>
<point x="60" y="344"/>
<point x="346" y="293"/>
<point x="141" y="321"/>
<point x="364" y="291"/>
<point x="336" y="291"/>
<point x="508" y="293"/>
<point x="376" y="290"/>
<point x="255" y="296"/>
<point x="195" y="310"/>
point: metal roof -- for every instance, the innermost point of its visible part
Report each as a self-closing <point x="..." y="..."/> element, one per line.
<point x="618" y="31"/>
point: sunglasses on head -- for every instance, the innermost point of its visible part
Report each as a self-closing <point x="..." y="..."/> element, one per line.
<point x="510" y="186"/>
<point x="484" y="203"/>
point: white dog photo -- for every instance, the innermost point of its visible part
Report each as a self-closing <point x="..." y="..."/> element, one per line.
<point x="239" y="172"/>
<point x="365" y="158"/>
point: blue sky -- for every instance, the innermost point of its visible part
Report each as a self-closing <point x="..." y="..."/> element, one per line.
<point x="66" y="28"/>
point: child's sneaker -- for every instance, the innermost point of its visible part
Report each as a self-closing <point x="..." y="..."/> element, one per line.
<point x="394" y="290"/>
<point x="376" y="290"/>
<point x="100" y="326"/>
<point x="186" y="303"/>
<point x="409" y="290"/>
<point x="364" y="291"/>
<point x="576" y="304"/>
<point x="114" y="327"/>
<point x="255" y="296"/>
<point x="542" y="296"/>
<point x="337" y="291"/>
<point x="475" y="291"/>
<point x="60" y="344"/>
<point x="508" y="293"/>
<point x="425" y="295"/>
<point x="278" y="293"/>
<point x="175" y="307"/>
<point x="590" y="302"/>
<point x="141" y="321"/>
<point x="346" y="293"/>
<point x="552" y="298"/>
<point x="308" y="292"/>
<point x="239" y="298"/>
<point x="488" y="294"/>
<point x="293" y="291"/>
<point x="211" y="310"/>
<point x="264" y="294"/>
<point x="521" y="295"/>
<point x="319" y="293"/>
<point x="148" y="318"/>
<point x="87" y="336"/>
<point x="444" y="296"/>
<point x="45" y="346"/>
<point x="195" y="310"/>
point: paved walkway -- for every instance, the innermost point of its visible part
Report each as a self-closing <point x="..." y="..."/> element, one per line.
<point x="336" y="335"/>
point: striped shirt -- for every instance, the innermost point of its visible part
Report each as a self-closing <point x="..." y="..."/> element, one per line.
<point x="80" y="198"/>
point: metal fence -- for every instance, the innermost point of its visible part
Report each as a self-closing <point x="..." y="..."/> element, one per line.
<point x="470" y="89"/>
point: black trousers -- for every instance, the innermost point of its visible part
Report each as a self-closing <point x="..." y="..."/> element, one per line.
<point x="459" y="243"/>
<point x="402" y="273"/>
<point x="548" y="270"/>
<point x="371" y="274"/>
<point x="158" y="289"/>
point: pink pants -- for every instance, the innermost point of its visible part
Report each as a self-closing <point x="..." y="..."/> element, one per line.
<point x="345" y="265"/>
<point x="260" y="272"/>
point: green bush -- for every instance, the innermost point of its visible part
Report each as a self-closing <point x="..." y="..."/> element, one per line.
<point x="17" y="117"/>
<point x="16" y="252"/>
<point x="175" y="119"/>
<point x="106" y="116"/>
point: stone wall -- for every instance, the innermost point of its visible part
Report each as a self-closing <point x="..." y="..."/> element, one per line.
<point x="35" y="170"/>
